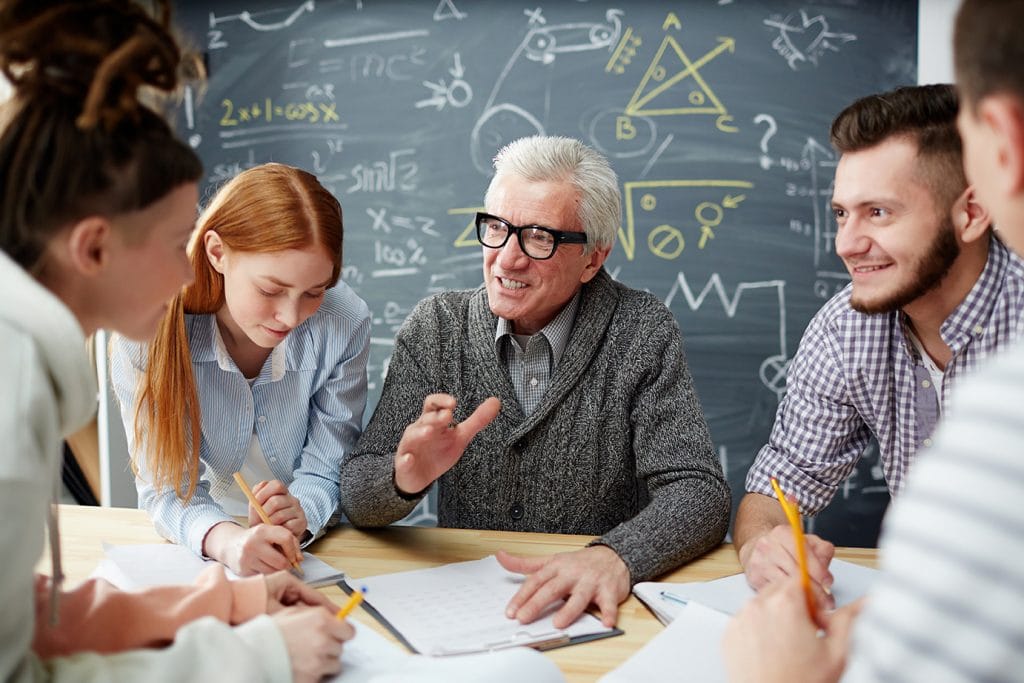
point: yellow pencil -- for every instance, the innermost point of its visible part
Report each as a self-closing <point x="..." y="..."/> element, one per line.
<point x="260" y="511"/>
<point x="793" y="515"/>
<point x="353" y="600"/>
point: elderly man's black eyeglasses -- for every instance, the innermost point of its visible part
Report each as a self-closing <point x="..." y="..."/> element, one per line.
<point x="536" y="241"/>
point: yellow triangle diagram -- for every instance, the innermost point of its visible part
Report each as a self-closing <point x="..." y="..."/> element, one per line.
<point x="467" y="238"/>
<point x="657" y="94"/>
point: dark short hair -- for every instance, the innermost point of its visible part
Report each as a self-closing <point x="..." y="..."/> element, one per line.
<point x="926" y="114"/>
<point x="988" y="50"/>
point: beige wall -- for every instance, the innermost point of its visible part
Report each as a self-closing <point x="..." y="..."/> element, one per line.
<point x="935" y="41"/>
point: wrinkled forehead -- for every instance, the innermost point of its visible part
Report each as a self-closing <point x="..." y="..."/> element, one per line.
<point x="520" y="201"/>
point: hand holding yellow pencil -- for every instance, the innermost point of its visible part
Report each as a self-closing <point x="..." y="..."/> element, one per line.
<point x="793" y="515"/>
<point x="260" y="511"/>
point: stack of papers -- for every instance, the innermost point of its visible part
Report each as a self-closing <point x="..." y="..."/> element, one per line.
<point x="132" y="567"/>
<point x="728" y="595"/>
<point x="460" y="608"/>
<point x="367" y="658"/>
<point x="697" y="614"/>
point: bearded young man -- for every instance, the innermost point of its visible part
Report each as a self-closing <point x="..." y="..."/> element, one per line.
<point x="933" y="293"/>
<point x="947" y="605"/>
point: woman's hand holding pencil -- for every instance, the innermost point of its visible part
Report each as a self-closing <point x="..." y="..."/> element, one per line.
<point x="260" y="549"/>
<point x="280" y="506"/>
<point x="291" y="550"/>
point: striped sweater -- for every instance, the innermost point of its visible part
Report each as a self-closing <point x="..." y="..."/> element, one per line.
<point x="950" y="605"/>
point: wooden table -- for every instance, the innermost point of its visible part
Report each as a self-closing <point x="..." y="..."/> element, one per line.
<point x="393" y="549"/>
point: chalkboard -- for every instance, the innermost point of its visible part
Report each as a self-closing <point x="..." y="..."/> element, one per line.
<point x="715" y="116"/>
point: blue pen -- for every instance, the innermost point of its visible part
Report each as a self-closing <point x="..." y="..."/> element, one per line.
<point x="672" y="597"/>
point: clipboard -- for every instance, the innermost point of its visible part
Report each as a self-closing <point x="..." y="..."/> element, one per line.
<point x="424" y="631"/>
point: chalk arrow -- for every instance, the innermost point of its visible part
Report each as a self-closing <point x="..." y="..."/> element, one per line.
<point x="731" y="202"/>
<point x="457" y="70"/>
<point x="438" y="98"/>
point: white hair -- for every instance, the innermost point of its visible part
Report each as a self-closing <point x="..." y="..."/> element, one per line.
<point x="553" y="159"/>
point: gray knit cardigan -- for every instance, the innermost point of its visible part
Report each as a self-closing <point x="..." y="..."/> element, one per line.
<point x="617" y="447"/>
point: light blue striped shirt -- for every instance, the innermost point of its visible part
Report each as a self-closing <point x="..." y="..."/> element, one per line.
<point x="305" y="407"/>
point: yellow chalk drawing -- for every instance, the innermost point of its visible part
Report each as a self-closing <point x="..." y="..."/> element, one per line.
<point x="666" y="241"/>
<point x="467" y="238"/>
<point x="269" y="111"/>
<point x="671" y="20"/>
<point x="656" y="96"/>
<point x="624" y="52"/>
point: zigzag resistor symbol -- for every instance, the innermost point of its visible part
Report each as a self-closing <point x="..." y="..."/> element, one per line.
<point x="774" y="368"/>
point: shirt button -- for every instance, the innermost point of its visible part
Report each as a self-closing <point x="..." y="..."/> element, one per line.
<point x="533" y="382"/>
<point x="978" y="329"/>
<point x="516" y="512"/>
<point x="263" y="418"/>
<point x="273" y="458"/>
<point x="927" y="442"/>
<point x="926" y="384"/>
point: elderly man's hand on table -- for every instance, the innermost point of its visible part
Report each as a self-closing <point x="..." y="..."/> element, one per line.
<point x="594" y="575"/>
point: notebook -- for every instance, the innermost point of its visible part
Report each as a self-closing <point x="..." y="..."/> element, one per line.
<point x="131" y="567"/>
<point x="460" y="608"/>
<point x="727" y="595"/>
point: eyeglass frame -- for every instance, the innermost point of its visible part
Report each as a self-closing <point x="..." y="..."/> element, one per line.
<point x="559" y="236"/>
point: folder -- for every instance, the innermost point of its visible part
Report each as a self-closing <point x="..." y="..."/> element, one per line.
<point x="459" y="608"/>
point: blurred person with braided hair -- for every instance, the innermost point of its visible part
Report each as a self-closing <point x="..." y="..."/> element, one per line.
<point x="98" y="204"/>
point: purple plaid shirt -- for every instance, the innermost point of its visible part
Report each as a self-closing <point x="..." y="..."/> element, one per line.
<point x="856" y="376"/>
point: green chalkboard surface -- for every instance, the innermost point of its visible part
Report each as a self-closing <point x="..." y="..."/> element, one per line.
<point x="715" y="116"/>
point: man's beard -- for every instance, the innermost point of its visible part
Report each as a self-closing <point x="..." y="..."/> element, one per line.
<point x="929" y="271"/>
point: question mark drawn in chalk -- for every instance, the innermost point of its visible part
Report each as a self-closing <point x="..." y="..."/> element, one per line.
<point x="766" y="161"/>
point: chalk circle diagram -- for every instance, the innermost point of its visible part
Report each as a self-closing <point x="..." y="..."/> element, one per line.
<point x="501" y="122"/>
<point x="620" y="136"/>
<point x="773" y="373"/>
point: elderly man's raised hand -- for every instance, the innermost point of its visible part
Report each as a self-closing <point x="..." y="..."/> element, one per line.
<point x="433" y="443"/>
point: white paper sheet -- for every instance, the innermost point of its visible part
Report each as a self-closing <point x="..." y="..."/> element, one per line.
<point x="460" y="608"/>
<point x="729" y="594"/>
<point x="690" y="649"/>
<point x="370" y="658"/>
<point x="132" y="567"/>
<point x="367" y="658"/>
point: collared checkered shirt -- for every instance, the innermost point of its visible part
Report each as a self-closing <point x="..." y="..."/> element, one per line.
<point x="531" y="368"/>
<point x="856" y="376"/>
